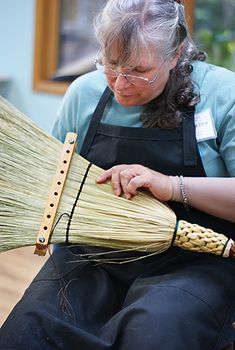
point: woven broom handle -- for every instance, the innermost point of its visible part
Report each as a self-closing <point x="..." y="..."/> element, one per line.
<point x="199" y="239"/>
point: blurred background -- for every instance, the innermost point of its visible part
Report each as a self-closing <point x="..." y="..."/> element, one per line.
<point x="45" y="45"/>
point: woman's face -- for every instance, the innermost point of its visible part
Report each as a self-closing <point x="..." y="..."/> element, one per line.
<point x="128" y="94"/>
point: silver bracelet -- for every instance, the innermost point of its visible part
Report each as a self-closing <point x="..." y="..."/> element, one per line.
<point x="183" y="193"/>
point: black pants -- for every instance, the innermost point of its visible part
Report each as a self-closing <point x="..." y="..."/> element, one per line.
<point x="176" y="300"/>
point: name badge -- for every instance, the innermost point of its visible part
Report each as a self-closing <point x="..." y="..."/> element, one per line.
<point x="205" y="126"/>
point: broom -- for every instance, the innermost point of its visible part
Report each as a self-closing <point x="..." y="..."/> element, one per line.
<point x="48" y="194"/>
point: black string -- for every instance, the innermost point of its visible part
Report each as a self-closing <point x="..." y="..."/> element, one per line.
<point x="75" y="203"/>
<point x="57" y="222"/>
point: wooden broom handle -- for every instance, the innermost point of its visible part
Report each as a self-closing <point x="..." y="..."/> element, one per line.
<point x="55" y="193"/>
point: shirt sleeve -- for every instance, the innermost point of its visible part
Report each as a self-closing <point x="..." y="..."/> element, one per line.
<point x="66" y="114"/>
<point x="226" y="139"/>
<point x="217" y="86"/>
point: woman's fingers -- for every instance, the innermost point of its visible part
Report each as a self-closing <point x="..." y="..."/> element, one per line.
<point x="124" y="178"/>
<point x="127" y="179"/>
<point x="112" y="174"/>
<point x="139" y="181"/>
<point x="106" y="175"/>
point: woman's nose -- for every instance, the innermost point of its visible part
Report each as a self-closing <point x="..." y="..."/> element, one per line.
<point x="121" y="82"/>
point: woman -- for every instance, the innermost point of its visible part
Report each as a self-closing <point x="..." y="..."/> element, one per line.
<point x="155" y="116"/>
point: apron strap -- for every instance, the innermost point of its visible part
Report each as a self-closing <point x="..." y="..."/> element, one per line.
<point x="95" y="120"/>
<point x="189" y="137"/>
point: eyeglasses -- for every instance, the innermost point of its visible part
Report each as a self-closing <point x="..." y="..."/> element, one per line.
<point x="132" y="79"/>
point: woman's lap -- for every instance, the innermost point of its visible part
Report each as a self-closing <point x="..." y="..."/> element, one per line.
<point x="179" y="300"/>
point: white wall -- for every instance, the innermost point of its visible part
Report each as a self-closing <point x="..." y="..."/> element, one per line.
<point x="17" y="21"/>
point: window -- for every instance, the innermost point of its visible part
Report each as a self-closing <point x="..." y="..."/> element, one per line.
<point x="78" y="45"/>
<point x="63" y="40"/>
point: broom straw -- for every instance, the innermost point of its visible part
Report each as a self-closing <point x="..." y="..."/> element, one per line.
<point x="29" y="159"/>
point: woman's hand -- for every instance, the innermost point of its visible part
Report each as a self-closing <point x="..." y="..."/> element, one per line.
<point x="215" y="196"/>
<point x="128" y="178"/>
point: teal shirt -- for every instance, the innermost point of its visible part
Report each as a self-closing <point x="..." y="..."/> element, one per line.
<point x="217" y="94"/>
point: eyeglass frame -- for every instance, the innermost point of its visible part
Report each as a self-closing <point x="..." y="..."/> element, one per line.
<point x="125" y="75"/>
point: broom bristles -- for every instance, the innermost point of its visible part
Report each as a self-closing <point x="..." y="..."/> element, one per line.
<point x="28" y="165"/>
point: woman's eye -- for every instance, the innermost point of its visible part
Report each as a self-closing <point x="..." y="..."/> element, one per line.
<point x="107" y="63"/>
<point x="112" y="63"/>
<point x="140" y="71"/>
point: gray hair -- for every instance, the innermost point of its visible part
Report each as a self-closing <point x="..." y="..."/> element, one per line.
<point x="157" y="28"/>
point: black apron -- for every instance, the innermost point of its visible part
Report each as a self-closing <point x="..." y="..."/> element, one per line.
<point x="172" y="152"/>
<point x="175" y="300"/>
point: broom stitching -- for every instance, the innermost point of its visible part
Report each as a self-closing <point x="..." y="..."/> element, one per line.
<point x="75" y="202"/>
<point x="175" y="232"/>
<point x="50" y="211"/>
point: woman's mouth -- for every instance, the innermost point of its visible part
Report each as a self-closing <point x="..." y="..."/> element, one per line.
<point x="122" y="93"/>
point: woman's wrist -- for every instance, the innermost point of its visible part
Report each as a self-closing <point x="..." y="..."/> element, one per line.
<point x="178" y="190"/>
<point x="176" y="197"/>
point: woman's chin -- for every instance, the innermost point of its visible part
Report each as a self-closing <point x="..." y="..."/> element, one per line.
<point x="126" y="100"/>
